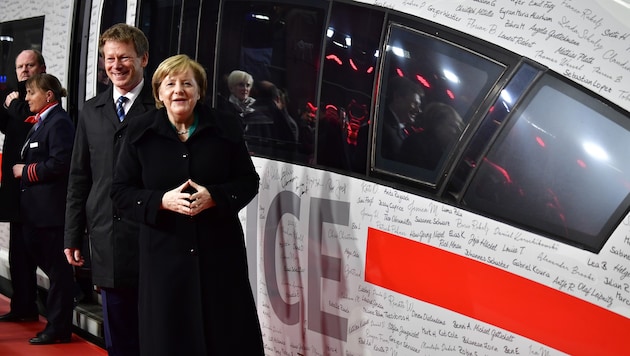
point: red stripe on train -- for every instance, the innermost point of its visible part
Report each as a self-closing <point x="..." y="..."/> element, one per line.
<point x="494" y="296"/>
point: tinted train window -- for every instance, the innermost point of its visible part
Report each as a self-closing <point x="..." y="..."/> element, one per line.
<point x="351" y="52"/>
<point x="280" y="47"/>
<point x="560" y="166"/>
<point x="160" y="22"/>
<point x="490" y="126"/>
<point x="114" y="11"/>
<point x="14" y="37"/>
<point x="430" y="90"/>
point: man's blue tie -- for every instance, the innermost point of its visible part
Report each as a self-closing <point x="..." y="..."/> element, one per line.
<point x="120" y="110"/>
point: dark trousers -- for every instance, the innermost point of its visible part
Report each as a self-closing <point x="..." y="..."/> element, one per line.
<point x="45" y="247"/>
<point x="23" y="274"/>
<point x="120" y="319"/>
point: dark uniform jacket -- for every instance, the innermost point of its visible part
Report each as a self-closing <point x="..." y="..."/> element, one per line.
<point x="195" y="296"/>
<point x="45" y="175"/>
<point x="15" y="129"/>
<point x="113" y="240"/>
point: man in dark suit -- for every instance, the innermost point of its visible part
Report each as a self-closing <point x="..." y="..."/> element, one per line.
<point x="404" y="98"/>
<point x="397" y="121"/>
<point x="101" y="129"/>
<point x="12" y="114"/>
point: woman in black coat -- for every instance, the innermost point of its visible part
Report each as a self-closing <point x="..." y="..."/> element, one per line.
<point x="185" y="173"/>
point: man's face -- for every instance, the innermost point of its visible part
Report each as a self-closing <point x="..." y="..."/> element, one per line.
<point x="123" y="66"/>
<point x="407" y="108"/>
<point x="26" y="65"/>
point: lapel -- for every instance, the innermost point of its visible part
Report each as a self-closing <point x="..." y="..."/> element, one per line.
<point x="32" y="137"/>
<point x="143" y="102"/>
<point x="106" y="108"/>
<point x="42" y="126"/>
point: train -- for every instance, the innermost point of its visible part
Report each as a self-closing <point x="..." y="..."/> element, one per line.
<point x="512" y="239"/>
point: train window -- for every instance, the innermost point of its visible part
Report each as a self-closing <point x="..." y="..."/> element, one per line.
<point x="352" y="44"/>
<point x="188" y="28"/>
<point x="14" y="37"/>
<point x="160" y="21"/>
<point x="429" y="91"/>
<point x="114" y="11"/>
<point x="206" y="43"/>
<point x="559" y="167"/>
<point x="490" y="125"/>
<point x="279" y="46"/>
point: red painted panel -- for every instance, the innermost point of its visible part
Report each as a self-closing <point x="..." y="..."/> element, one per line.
<point x="494" y="296"/>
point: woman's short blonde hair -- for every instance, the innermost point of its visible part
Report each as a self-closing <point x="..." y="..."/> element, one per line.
<point x="178" y="64"/>
<point x="239" y="76"/>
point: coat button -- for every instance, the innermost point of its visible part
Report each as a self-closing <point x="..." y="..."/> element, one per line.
<point x="139" y="202"/>
<point x="193" y="252"/>
<point x="185" y="155"/>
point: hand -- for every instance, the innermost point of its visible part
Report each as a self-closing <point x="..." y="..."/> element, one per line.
<point x="17" y="170"/>
<point x="177" y="200"/>
<point x="74" y="257"/>
<point x="10" y="97"/>
<point x="201" y="199"/>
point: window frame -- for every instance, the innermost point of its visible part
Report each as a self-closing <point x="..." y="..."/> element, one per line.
<point x="441" y="175"/>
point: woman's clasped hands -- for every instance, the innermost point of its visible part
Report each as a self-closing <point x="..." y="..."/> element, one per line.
<point x="189" y="198"/>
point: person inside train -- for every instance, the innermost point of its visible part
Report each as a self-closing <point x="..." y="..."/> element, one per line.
<point x="241" y="104"/>
<point x="331" y="142"/>
<point x="191" y="239"/>
<point x="101" y="128"/>
<point x="307" y="125"/>
<point x="13" y="113"/>
<point x="271" y="101"/>
<point x="440" y="126"/>
<point x="43" y="175"/>
<point x="404" y="100"/>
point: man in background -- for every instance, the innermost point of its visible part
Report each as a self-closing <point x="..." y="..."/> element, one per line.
<point x="12" y="115"/>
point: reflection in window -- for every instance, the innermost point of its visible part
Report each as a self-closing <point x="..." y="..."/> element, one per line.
<point x="14" y="37"/>
<point x="560" y="167"/>
<point x="279" y="46"/>
<point x="430" y="90"/>
<point x="490" y="125"/>
<point x="351" y="52"/>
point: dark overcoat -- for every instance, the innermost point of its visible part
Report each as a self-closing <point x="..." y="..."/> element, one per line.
<point x="14" y="128"/>
<point x="114" y="240"/>
<point x="195" y="297"/>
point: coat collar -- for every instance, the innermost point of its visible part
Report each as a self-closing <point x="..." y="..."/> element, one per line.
<point x="209" y="120"/>
<point x="145" y="98"/>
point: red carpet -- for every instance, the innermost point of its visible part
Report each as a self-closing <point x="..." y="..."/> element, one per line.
<point x="14" y="340"/>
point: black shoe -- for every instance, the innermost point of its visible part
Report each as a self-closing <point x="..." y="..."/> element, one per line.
<point x="10" y="317"/>
<point x="47" y="339"/>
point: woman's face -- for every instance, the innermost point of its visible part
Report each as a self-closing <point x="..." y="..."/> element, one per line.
<point x="179" y="92"/>
<point x="241" y="90"/>
<point x="37" y="98"/>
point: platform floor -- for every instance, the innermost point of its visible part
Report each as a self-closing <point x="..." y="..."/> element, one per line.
<point x="14" y="339"/>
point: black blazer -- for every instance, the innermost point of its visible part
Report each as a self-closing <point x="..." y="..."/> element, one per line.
<point x="46" y="155"/>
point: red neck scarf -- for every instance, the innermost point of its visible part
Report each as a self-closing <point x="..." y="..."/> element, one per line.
<point x="33" y="119"/>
